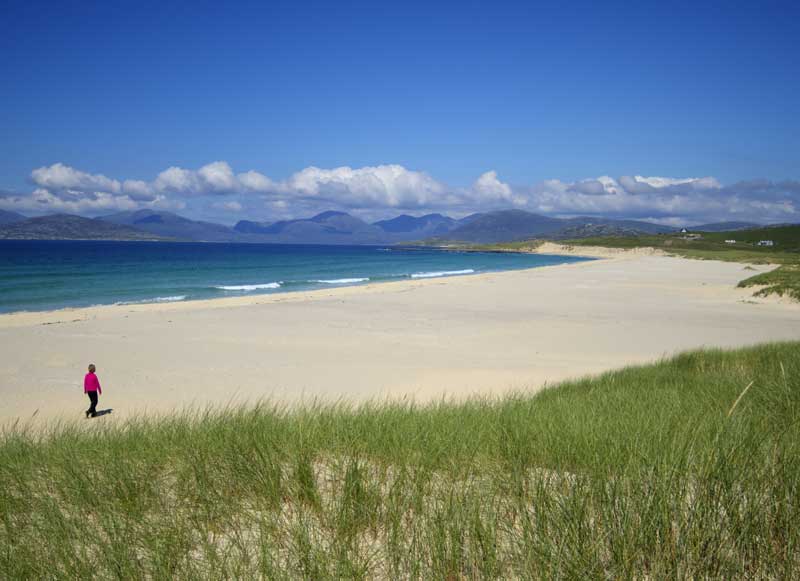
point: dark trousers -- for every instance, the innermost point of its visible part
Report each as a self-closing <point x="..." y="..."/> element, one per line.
<point x="92" y="398"/>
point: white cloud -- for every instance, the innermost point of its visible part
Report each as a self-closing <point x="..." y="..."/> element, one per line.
<point x="695" y="184"/>
<point x="256" y="182"/>
<point x="65" y="189"/>
<point x="667" y="200"/>
<point x="138" y="190"/>
<point x="391" y="186"/>
<point x="177" y="180"/>
<point x="43" y="201"/>
<point x="62" y="177"/>
<point x="218" y="177"/>
<point x="643" y="185"/>
<point x="383" y="190"/>
<point x="488" y="187"/>
<point x="70" y="201"/>
<point x="594" y="187"/>
<point x="213" y="178"/>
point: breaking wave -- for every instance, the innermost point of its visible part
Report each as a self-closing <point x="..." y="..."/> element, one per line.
<point x="172" y="299"/>
<point x="441" y="273"/>
<point x="248" y="287"/>
<point x="343" y="280"/>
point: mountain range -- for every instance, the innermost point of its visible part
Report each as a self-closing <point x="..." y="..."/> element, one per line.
<point x="69" y="227"/>
<point x="341" y="228"/>
<point x="10" y="217"/>
<point x="171" y="225"/>
<point x="333" y="227"/>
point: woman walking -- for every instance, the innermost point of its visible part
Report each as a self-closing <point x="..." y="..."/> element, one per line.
<point x="91" y="387"/>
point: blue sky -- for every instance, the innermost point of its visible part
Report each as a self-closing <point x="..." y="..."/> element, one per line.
<point x="479" y="105"/>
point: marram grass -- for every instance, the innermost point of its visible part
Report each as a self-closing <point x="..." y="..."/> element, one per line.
<point x="644" y="473"/>
<point x="783" y="281"/>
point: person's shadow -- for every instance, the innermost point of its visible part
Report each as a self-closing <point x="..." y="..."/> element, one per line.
<point x="99" y="413"/>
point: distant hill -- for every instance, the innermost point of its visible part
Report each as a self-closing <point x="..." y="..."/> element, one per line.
<point x="605" y="228"/>
<point x="326" y="228"/>
<point x="69" y="227"/>
<point x="467" y="219"/>
<point x="172" y="225"/>
<point x="407" y="227"/>
<point x="10" y="217"/>
<point x="724" y="227"/>
<point x="511" y="225"/>
<point x="334" y="227"/>
<point x="786" y="238"/>
<point x="624" y="227"/>
<point x="504" y="226"/>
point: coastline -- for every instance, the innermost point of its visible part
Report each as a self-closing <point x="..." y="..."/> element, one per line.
<point x="558" y="249"/>
<point x="74" y="314"/>
<point x="423" y="339"/>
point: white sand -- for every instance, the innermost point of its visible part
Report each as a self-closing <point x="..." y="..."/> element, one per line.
<point x="595" y="251"/>
<point x="486" y="333"/>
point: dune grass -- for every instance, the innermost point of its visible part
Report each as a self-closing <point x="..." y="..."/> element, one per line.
<point x="661" y="471"/>
<point x="786" y="241"/>
<point x="783" y="281"/>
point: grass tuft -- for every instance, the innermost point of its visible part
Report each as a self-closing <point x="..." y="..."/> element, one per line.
<point x="783" y="281"/>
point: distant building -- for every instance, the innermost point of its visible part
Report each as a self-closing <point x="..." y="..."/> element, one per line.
<point x="730" y="242"/>
<point x="766" y="243"/>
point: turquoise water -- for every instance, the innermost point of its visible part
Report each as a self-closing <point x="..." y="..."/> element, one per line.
<point x="43" y="275"/>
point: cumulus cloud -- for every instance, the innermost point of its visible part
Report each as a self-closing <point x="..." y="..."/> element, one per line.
<point x="382" y="190"/>
<point x="256" y="182"/>
<point x="391" y="186"/>
<point x="59" y="177"/>
<point x="177" y="180"/>
<point x="214" y="178"/>
<point x="591" y="187"/>
<point x="62" y="188"/>
<point x="218" y="177"/>
<point x="488" y="187"/>
<point x="68" y="201"/>
<point x="647" y="185"/>
<point x="44" y="201"/>
<point x="666" y="200"/>
<point x="138" y="190"/>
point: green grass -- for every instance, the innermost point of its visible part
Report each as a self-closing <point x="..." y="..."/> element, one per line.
<point x="647" y="472"/>
<point x="518" y="246"/>
<point x="704" y="248"/>
<point x="786" y="238"/>
<point x="710" y="247"/>
<point x="712" y="244"/>
<point x="783" y="281"/>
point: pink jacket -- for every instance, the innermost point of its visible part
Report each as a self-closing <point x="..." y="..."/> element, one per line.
<point x="91" y="383"/>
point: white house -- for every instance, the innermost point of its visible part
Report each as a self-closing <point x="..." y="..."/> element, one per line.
<point x="730" y="242"/>
<point x="766" y="243"/>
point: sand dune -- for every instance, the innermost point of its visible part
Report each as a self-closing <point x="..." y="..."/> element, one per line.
<point x="486" y="333"/>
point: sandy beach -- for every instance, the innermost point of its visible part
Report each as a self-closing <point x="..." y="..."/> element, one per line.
<point x="458" y="336"/>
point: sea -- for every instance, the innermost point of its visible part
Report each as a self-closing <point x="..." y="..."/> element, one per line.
<point x="45" y="275"/>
